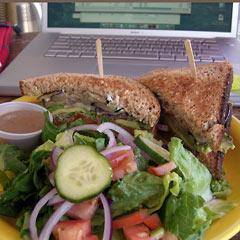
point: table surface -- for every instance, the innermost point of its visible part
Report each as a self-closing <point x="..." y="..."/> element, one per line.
<point x="19" y="42"/>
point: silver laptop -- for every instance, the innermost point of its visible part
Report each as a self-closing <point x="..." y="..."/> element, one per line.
<point x="136" y="38"/>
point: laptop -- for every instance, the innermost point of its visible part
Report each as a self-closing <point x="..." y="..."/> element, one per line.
<point x="136" y="37"/>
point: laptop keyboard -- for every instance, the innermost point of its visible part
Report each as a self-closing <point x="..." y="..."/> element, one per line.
<point x="76" y="46"/>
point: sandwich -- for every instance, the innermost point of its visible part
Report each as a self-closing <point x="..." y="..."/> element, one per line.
<point x="115" y="98"/>
<point x="196" y="110"/>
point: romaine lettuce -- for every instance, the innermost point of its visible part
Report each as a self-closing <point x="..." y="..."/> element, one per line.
<point x="196" y="177"/>
<point x="135" y="189"/>
<point x="185" y="217"/>
<point x="217" y="208"/>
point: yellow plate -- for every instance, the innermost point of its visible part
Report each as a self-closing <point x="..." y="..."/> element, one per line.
<point x="222" y="229"/>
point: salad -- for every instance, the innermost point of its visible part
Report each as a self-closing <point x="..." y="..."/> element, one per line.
<point x="98" y="181"/>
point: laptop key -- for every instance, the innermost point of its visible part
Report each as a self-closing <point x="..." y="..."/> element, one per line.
<point x="74" y="55"/>
<point x="59" y="50"/>
<point x="50" y="54"/>
<point x="60" y="43"/>
<point x="88" y="54"/>
<point x="206" y="59"/>
<point x="167" y="57"/>
<point x="218" y="59"/>
<point x="62" y="54"/>
<point x="181" y="58"/>
<point x="60" y="47"/>
<point x="139" y="52"/>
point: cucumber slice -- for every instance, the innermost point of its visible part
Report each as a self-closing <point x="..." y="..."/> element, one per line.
<point x="82" y="173"/>
<point x="157" y="233"/>
<point x="157" y="153"/>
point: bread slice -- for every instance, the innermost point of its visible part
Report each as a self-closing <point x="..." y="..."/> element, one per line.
<point x="200" y="106"/>
<point x="113" y="91"/>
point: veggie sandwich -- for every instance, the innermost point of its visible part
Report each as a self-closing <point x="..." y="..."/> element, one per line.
<point x="110" y="167"/>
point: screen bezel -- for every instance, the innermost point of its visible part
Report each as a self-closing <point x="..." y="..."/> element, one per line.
<point x="140" y="32"/>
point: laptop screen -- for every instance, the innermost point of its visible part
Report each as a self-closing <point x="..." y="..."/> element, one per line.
<point x="185" y="16"/>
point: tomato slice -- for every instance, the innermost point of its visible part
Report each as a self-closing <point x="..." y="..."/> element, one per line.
<point x="123" y="163"/>
<point x="153" y="221"/>
<point x="118" y="157"/>
<point x="92" y="237"/>
<point x="72" y="230"/>
<point x="137" y="232"/>
<point x="84" y="210"/>
<point x="163" y="169"/>
<point x="131" y="219"/>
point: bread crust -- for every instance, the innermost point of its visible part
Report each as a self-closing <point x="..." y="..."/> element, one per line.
<point x="200" y="106"/>
<point x="135" y="98"/>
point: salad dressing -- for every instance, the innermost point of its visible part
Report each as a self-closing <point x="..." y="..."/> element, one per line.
<point x="21" y="121"/>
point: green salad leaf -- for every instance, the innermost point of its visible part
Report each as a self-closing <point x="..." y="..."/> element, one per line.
<point x="217" y="208"/>
<point x="185" y="217"/>
<point x="142" y="163"/>
<point x="221" y="188"/>
<point x="12" y="159"/>
<point x="196" y="177"/>
<point x="49" y="130"/>
<point x="29" y="185"/>
<point x="135" y="189"/>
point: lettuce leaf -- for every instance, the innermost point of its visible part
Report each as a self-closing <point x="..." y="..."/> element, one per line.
<point x="12" y="159"/>
<point x="28" y="186"/>
<point x="49" y="130"/>
<point x="217" y="208"/>
<point x="142" y="163"/>
<point x="135" y="189"/>
<point x="171" y="182"/>
<point x="47" y="146"/>
<point x="185" y="217"/>
<point x="196" y="177"/>
<point x="221" y="188"/>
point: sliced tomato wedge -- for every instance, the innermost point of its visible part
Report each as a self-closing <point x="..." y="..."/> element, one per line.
<point x="92" y="237"/>
<point x="118" y="157"/>
<point x="122" y="163"/>
<point x="137" y="232"/>
<point x="163" y="169"/>
<point x="84" y="210"/>
<point x="153" y="221"/>
<point x="131" y="219"/>
<point x="72" y="230"/>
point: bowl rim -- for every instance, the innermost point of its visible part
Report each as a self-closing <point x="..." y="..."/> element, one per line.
<point x="31" y="134"/>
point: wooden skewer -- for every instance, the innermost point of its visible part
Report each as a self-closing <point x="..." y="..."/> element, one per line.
<point x="188" y="47"/>
<point x="99" y="57"/>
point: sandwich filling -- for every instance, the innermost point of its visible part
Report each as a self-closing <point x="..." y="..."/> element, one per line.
<point x="68" y="108"/>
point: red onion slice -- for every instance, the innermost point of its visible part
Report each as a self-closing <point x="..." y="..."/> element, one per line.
<point x="51" y="178"/>
<point x="53" y="220"/>
<point x="54" y="156"/>
<point x="85" y="127"/>
<point x="34" y="214"/>
<point x="132" y="145"/>
<point x="126" y="141"/>
<point x="108" y="151"/>
<point x="112" y="141"/>
<point x="56" y="199"/>
<point x="162" y="127"/>
<point x="108" y="125"/>
<point x="74" y="132"/>
<point x="107" y="218"/>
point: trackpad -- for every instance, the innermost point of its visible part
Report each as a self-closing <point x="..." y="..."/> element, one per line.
<point x="130" y="70"/>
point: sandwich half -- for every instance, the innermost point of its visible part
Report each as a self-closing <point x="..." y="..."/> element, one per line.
<point x="196" y="110"/>
<point x="116" y="98"/>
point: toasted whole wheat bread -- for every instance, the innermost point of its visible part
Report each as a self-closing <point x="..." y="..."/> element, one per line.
<point x="135" y="98"/>
<point x="199" y="105"/>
